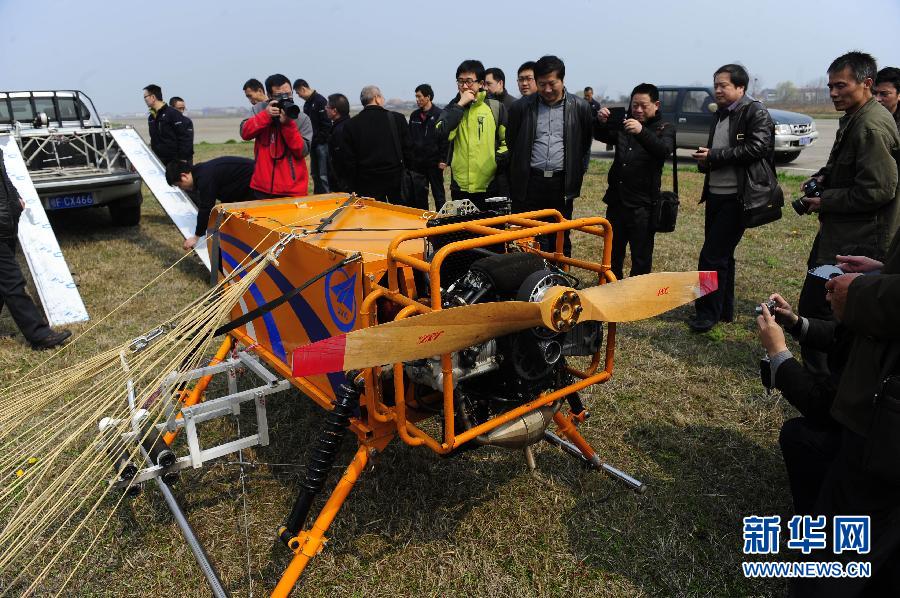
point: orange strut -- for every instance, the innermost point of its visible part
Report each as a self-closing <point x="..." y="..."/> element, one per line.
<point x="311" y="542"/>
<point x="193" y="397"/>
<point x="568" y="429"/>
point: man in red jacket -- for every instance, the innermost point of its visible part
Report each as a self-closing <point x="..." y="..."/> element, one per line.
<point x="278" y="146"/>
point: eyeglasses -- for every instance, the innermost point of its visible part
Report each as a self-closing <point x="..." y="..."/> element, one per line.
<point x="145" y="97"/>
<point x="462" y="82"/>
<point x="525" y="79"/>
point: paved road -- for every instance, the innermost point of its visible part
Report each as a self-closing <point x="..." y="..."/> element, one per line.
<point x="810" y="160"/>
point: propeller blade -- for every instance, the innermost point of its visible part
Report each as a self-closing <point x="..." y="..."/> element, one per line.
<point x="416" y="337"/>
<point x="644" y="296"/>
<point x="449" y="330"/>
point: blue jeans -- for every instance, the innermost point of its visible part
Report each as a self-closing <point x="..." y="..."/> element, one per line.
<point x="318" y="157"/>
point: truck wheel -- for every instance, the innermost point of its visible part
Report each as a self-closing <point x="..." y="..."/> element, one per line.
<point x="785" y="157"/>
<point x="126" y="211"/>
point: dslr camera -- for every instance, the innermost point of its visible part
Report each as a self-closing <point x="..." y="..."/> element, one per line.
<point x="811" y="188"/>
<point x="285" y="101"/>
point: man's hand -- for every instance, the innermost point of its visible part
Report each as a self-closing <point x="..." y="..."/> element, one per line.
<point x="814" y="204"/>
<point x="836" y="293"/>
<point x="603" y="114"/>
<point x="701" y="155"/>
<point x="190" y="242"/>
<point x="632" y="126"/>
<point x="771" y="336"/>
<point x="784" y="315"/>
<point x="442" y="166"/>
<point x="858" y="263"/>
<point x="819" y="179"/>
<point x="22" y="203"/>
<point x="466" y="97"/>
<point x="276" y="112"/>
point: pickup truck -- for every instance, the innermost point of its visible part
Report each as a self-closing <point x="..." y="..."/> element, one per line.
<point x="692" y="111"/>
<point x="71" y="156"/>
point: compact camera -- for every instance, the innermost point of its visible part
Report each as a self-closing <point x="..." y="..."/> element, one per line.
<point x="770" y="304"/>
<point x="811" y="188"/>
<point x="286" y="103"/>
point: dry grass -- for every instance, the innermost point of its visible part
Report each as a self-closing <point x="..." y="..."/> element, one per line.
<point x="684" y="413"/>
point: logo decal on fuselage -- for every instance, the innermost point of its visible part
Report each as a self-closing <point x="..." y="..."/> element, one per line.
<point x="340" y="296"/>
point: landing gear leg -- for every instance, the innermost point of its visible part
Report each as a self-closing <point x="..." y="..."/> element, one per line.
<point x="575" y="444"/>
<point x="308" y="544"/>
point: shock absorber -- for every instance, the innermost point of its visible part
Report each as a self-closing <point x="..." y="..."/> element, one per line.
<point x="324" y="454"/>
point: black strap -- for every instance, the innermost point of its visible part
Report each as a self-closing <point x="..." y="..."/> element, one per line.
<point x="267" y="307"/>
<point x="215" y="253"/>
<point x="675" y="162"/>
<point x="326" y="221"/>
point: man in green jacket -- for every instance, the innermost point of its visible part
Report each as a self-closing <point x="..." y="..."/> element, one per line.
<point x="476" y="129"/>
<point x="859" y="204"/>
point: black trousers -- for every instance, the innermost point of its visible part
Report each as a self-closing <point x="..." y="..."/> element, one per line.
<point x="812" y="304"/>
<point x="848" y="489"/>
<point x="13" y="295"/>
<point x="808" y="448"/>
<point x="548" y="193"/>
<point x="383" y="188"/>
<point x="723" y="228"/>
<point x="631" y="226"/>
<point x="434" y="177"/>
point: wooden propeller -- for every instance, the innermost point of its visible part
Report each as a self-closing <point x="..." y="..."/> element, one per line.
<point x="448" y="330"/>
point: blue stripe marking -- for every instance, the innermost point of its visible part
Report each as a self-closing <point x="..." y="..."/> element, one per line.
<point x="311" y="323"/>
<point x="271" y="327"/>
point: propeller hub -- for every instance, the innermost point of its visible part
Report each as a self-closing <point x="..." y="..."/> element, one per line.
<point x="565" y="311"/>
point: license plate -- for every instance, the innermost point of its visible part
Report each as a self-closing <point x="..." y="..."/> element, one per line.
<point x="76" y="200"/>
<point x="805" y="140"/>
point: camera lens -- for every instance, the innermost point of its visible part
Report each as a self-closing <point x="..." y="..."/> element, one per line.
<point x="800" y="206"/>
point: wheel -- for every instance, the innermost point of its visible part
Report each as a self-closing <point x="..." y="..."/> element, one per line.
<point x="785" y="157"/>
<point x="126" y="211"/>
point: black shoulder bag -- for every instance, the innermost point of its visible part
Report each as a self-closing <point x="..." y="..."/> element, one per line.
<point x="665" y="209"/>
<point x="763" y="197"/>
<point x="407" y="191"/>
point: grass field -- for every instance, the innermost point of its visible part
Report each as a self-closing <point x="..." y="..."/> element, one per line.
<point x="684" y="413"/>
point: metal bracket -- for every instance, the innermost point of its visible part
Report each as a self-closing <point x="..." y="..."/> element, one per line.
<point x="224" y="406"/>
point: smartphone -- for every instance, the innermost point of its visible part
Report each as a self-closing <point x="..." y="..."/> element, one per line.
<point x="616" y="117"/>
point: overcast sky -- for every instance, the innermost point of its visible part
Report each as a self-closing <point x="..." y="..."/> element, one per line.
<point x="204" y="50"/>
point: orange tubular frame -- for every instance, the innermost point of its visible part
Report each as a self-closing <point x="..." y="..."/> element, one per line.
<point x="379" y="423"/>
<point x="523" y="226"/>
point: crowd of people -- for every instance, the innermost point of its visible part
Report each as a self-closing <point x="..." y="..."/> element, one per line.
<point x="842" y="454"/>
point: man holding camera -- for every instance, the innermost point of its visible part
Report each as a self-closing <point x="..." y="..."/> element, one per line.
<point x="741" y="142"/>
<point x="856" y="194"/>
<point x="278" y="147"/>
<point x="643" y="142"/>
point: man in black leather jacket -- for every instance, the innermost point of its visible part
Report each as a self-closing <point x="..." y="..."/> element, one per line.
<point x="542" y="173"/>
<point x="643" y="142"/>
<point x="12" y="284"/>
<point x="741" y="145"/>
